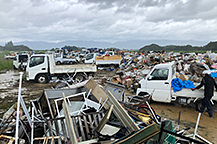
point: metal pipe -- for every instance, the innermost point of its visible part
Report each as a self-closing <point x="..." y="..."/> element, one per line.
<point x="18" y="108"/>
<point x="152" y="113"/>
<point x="195" y="130"/>
<point x="32" y="125"/>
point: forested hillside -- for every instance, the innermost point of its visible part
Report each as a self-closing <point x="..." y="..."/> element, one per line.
<point x="11" y="47"/>
<point x="154" y="47"/>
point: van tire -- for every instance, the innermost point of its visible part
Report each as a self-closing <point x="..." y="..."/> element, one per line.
<point x="42" y="79"/>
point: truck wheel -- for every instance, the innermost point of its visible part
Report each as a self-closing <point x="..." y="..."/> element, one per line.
<point x="112" y="67"/>
<point x="71" y="62"/>
<point x="42" y="79"/>
<point x="198" y="105"/>
<point x="79" y="78"/>
<point x="58" y="63"/>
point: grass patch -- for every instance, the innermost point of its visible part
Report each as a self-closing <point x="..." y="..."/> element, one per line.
<point x="6" y="64"/>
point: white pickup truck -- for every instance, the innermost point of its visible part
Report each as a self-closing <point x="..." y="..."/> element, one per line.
<point x="159" y="80"/>
<point x="42" y="68"/>
<point x="61" y="59"/>
<point x="110" y="62"/>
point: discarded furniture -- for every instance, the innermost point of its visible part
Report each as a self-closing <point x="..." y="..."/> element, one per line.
<point x="116" y="89"/>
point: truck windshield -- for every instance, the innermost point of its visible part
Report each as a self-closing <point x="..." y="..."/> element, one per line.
<point x="160" y="74"/>
<point x="36" y="60"/>
<point x="90" y="56"/>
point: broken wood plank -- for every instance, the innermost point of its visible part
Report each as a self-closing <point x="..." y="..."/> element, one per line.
<point x="105" y="119"/>
<point x="97" y="91"/>
<point x="75" y="127"/>
<point x="95" y="120"/>
<point x="86" y="126"/>
<point x="81" y="129"/>
<point x="50" y="128"/>
<point x="69" y="124"/>
<point x="91" y="123"/>
<point x="121" y="114"/>
<point x="64" y="130"/>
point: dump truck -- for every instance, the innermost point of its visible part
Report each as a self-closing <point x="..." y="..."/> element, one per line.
<point x="158" y="81"/>
<point x="42" y="68"/>
<point x="111" y="62"/>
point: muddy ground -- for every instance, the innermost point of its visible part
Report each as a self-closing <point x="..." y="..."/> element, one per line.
<point x="207" y="126"/>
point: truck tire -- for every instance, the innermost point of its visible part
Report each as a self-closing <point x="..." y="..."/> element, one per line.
<point x="198" y="105"/>
<point x="79" y="78"/>
<point x="71" y="62"/>
<point x="58" y="63"/>
<point x="42" y="79"/>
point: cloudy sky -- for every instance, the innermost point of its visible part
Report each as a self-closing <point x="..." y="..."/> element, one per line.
<point x="107" y="20"/>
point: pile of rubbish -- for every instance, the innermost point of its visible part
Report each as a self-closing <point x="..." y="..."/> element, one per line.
<point x="136" y="66"/>
<point x="101" y="111"/>
<point x="86" y="113"/>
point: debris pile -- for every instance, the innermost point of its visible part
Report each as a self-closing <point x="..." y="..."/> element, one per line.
<point x="135" y="66"/>
<point x="91" y="112"/>
<point x="85" y="113"/>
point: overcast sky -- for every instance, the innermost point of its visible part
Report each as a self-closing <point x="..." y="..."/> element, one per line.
<point x="107" y="20"/>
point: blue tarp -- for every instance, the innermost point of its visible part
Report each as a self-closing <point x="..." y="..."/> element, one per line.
<point x="213" y="73"/>
<point x="178" y="84"/>
<point x="188" y="84"/>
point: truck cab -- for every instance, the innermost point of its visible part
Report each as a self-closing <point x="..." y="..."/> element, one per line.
<point x="159" y="81"/>
<point x="91" y="58"/>
<point x="38" y="64"/>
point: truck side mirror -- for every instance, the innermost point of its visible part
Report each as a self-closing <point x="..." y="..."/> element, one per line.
<point x="150" y="77"/>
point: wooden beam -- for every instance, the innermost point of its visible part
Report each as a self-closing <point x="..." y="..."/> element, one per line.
<point x="121" y="114"/>
<point x="69" y="124"/>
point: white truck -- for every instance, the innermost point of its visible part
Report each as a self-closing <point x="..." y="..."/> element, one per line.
<point x="42" y="68"/>
<point x="61" y="59"/>
<point x="20" y="61"/>
<point x="158" y="82"/>
<point x="110" y="62"/>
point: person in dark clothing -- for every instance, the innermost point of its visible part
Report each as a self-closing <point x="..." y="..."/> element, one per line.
<point x="209" y="83"/>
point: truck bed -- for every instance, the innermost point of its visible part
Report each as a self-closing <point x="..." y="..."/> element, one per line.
<point x="189" y="93"/>
<point x="108" y="59"/>
<point x="70" y="68"/>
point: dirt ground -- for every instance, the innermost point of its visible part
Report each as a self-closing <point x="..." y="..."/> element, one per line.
<point x="207" y="126"/>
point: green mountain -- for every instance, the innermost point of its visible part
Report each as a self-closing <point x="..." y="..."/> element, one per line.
<point x="154" y="47"/>
<point x="10" y="47"/>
